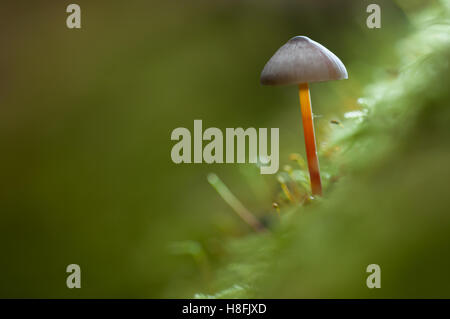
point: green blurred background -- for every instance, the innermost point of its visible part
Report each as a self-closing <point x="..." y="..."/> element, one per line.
<point x="87" y="178"/>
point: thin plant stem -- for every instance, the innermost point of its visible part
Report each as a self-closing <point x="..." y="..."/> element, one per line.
<point x="234" y="203"/>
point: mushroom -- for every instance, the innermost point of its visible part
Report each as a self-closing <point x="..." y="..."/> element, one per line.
<point x="300" y="61"/>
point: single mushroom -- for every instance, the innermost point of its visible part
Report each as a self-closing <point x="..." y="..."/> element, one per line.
<point x="300" y="61"/>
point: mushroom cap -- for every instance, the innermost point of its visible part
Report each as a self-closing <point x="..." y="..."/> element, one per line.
<point x="302" y="60"/>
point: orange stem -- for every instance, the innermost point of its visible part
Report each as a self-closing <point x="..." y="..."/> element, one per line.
<point x="310" y="140"/>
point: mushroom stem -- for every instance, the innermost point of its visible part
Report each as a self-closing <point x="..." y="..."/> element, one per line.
<point x="310" y="141"/>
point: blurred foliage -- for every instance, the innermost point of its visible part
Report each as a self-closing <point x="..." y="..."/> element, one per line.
<point x="87" y="178"/>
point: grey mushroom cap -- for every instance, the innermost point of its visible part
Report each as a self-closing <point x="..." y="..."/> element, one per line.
<point x="302" y="60"/>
